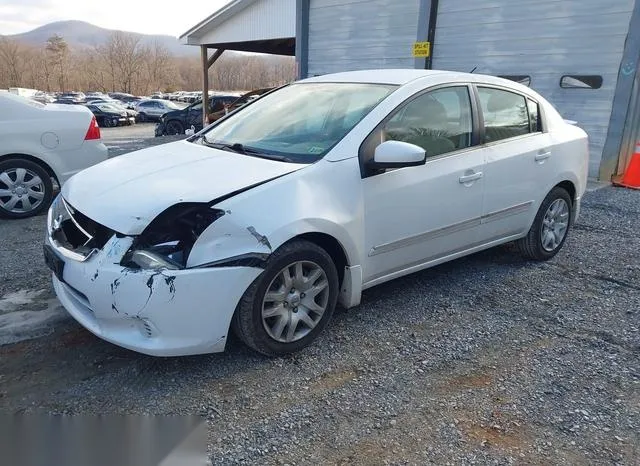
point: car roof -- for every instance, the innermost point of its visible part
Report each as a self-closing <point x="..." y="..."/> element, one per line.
<point x="379" y="76"/>
<point x="401" y="77"/>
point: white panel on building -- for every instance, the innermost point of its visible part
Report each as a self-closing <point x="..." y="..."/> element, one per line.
<point x="356" y="34"/>
<point x="246" y="20"/>
<point x="544" y="40"/>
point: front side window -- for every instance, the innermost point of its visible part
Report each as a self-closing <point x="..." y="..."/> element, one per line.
<point x="300" y="122"/>
<point x="438" y="121"/>
<point x="506" y="114"/>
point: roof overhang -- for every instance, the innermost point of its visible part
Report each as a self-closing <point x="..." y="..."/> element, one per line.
<point x="260" y="26"/>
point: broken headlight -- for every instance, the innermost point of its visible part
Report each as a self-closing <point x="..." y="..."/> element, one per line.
<point x="168" y="240"/>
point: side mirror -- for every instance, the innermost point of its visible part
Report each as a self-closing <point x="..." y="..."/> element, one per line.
<point x="397" y="154"/>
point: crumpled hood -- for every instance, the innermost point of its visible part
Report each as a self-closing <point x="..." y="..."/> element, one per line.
<point x="127" y="192"/>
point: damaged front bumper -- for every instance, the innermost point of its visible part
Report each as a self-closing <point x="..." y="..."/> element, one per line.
<point x="155" y="312"/>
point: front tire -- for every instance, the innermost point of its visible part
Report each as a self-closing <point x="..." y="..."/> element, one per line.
<point x="291" y="302"/>
<point x="142" y="117"/>
<point x="26" y="189"/>
<point x="174" y="127"/>
<point x="550" y="227"/>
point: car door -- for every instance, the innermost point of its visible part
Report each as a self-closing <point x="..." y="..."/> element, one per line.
<point x="417" y="215"/>
<point x="155" y="109"/>
<point x="519" y="160"/>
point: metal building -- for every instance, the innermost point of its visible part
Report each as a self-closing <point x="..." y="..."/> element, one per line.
<point x="595" y="44"/>
<point x="582" y="55"/>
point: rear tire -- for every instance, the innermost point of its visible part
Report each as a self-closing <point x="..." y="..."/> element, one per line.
<point x="550" y="227"/>
<point x="270" y="303"/>
<point x="142" y="117"/>
<point x="26" y="189"/>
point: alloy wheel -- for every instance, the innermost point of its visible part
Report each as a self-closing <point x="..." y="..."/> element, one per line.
<point x="21" y="190"/>
<point x="555" y="225"/>
<point x="295" y="301"/>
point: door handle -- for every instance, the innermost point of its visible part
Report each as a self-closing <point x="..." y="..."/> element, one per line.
<point x="543" y="156"/>
<point x="469" y="178"/>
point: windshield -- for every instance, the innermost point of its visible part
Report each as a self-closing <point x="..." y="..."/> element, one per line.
<point x="300" y="122"/>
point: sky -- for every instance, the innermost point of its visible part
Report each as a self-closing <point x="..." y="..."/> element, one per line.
<point x="143" y="16"/>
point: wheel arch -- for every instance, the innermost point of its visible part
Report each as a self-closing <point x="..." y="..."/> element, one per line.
<point x="333" y="247"/>
<point x="33" y="159"/>
<point x="568" y="186"/>
<point x="349" y="273"/>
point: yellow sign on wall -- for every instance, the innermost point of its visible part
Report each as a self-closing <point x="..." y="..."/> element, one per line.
<point x="422" y="49"/>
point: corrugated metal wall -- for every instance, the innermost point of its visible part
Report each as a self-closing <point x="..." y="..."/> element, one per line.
<point x="359" y="34"/>
<point x="543" y="39"/>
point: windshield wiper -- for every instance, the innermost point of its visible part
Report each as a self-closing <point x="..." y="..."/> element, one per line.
<point x="245" y="150"/>
<point x="236" y="147"/>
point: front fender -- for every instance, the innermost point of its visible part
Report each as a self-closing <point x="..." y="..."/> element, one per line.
<point x="231" y="237"/>
<point x="323" y="198"/>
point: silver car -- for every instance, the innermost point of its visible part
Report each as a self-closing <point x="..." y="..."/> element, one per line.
<point x="153" y="109"/>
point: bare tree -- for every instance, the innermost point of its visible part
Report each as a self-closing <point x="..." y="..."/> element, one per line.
<point x="124" y="64"/>
<point x="11" y="59"/>
<point x="158" y="62"/>
<point x="58" y="51"/>
<point x="129" y="55"/>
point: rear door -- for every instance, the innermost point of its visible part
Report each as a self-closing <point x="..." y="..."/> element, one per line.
<point x="155" y="109"/>
<point x="519" y="160"/>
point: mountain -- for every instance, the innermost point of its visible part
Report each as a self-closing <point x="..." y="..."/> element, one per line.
<point x="80" y="34"/>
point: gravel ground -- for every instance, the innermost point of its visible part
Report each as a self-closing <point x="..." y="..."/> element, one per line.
<point x="486" y="360"/>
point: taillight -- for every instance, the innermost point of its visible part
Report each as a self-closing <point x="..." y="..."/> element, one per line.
<point x="94" y="130"/>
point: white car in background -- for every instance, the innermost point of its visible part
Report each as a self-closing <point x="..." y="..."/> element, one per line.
<point x="40" y="144"/>
<point x="307" y="196"/>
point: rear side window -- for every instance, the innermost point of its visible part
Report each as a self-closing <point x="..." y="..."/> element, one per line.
<point x="506" y="114"/>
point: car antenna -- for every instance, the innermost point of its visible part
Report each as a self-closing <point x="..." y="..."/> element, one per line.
<point x="474" y="68"/>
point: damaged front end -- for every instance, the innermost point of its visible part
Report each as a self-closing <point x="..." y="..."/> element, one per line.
<point x="168" y="240"/>
<point x="134" y="290"/>
<point x="183" y="237"/>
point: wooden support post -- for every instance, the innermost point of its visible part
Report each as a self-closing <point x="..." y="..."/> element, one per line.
<point x="206" y="64"/>
<point x="205" y="83"/>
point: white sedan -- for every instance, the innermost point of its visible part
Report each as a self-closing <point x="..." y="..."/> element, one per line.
<point x="39" y="144"/>
<point x="305" y="197"/>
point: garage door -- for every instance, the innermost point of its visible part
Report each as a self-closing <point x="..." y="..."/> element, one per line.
<point x="545" y="40"/>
